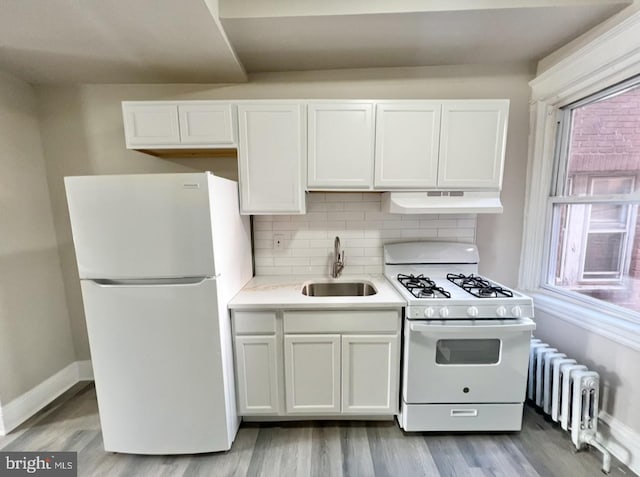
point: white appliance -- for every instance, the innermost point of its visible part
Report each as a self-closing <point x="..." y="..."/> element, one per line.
<point x="159" y="256"/>
<point x="466" y="340"/>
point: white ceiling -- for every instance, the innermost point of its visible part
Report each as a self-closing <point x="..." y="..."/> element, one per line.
<point x="185" y="41"/>
<point x="115" y="41"/>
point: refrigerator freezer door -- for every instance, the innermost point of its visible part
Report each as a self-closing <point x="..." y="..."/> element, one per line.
<point x="157" y="356"/>
<point x="141" y="226"/>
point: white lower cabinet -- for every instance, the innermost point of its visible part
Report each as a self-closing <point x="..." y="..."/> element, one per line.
<point x="370" y="374"/>
<point x="312" y="373"/>
<point x="317" y="363"/>
<point x="257" y="374"/>
<point x="341" y="374"/>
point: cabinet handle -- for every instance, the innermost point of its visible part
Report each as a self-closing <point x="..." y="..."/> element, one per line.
<point x="464" y="412"/>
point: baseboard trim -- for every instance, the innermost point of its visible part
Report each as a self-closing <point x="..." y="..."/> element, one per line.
<point x="23" y="407"/>
<point x="85" y="370"/>
<point x="622" y="441"/>
<point x="2" y="431"/>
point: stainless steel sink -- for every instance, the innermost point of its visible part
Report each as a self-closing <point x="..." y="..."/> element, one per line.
<point x="339" y="289"/>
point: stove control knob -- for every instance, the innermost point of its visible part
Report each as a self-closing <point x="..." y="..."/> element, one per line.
<point x="429" y="312"/>
<point x="444" y="312"/>
<point x="517" y="311"/>
<point x="501" y="311"/>
<point x="472" y="311"/>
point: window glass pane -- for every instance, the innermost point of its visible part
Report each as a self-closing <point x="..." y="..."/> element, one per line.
<point x="603" y="255"/>
<point x="611" y="185"/>
<point x="468" y="351"/>
<point x="593" y="261"/>
<point x="608" y="216"/>
<point x="604" y="146"/>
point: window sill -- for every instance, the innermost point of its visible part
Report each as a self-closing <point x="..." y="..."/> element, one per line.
<point x="594" y="319"/>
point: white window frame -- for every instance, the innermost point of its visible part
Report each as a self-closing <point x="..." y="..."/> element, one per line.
<point x="602" y="58"/>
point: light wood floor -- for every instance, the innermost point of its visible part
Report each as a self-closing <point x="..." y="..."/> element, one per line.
<point x="321" y="449"/>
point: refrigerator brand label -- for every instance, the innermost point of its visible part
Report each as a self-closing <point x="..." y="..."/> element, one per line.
<point x="190" y="186"/>
<point x="54" y="464"/>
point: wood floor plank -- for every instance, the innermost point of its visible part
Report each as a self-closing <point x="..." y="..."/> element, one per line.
<point x="324" y="449"/>
<point x="447" y="456"/>
<point x="397" y="453"/>
<point x="282" y="449"/>
<point x="491" y="455"/>
<point x="356" y="451"/>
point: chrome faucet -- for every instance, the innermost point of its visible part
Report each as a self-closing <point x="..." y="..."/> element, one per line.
<point x="338" y="259"/>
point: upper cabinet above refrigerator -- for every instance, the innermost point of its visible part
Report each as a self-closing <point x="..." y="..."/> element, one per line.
<point x="153" y="125"/>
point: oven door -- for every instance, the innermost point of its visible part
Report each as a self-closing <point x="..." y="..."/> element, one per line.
<point x="466" y="361"/>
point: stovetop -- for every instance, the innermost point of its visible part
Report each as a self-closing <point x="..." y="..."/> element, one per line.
<point x="440" y="280"/>
<point x="438" y="294"/>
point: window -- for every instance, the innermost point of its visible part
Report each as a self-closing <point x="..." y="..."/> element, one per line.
<point x="595" y="229"/>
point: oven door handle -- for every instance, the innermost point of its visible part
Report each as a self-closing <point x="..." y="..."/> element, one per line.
<point x="517" y="326"/>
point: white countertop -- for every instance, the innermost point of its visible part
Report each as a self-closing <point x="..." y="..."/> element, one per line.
<point x="285" y="292"/>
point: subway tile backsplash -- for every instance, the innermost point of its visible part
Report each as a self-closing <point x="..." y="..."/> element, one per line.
<point x="307" y="240"/>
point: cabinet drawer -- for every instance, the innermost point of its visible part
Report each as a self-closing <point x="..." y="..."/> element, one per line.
<point x="254" y="322"/>
<point x="462" y="417"/>
<point x="367" y="321"/>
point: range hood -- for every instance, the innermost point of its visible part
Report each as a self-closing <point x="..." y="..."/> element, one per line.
<point x="442" y="202"/>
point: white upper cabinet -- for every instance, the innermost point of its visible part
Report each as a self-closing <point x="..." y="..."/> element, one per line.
<point x="271" y="158"/>
<point x="406" y="148"/>
<point x="472" y="144"/>
<point x="150" y="124"/>
<point x="207" y="123"/>
<point x="340" y="149"/>
<point x="179" y="124"/>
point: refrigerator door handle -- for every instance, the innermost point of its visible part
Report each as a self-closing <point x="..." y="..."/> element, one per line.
<point x="183" y="281"/>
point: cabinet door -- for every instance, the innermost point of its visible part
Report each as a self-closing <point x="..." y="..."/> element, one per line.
<point x="312" y="373"/>
<point x="207" y="124"/>
<point x="271" y="158"/>
<point x="150" y="124"/>
<point x="472" y="144"/>
<point x="256" y="375"/>
<point x="370" y="374"/>
<point x="407" y="140"/>
<point x="340" y="150"/>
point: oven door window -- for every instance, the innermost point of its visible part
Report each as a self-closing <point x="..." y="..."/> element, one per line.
<point x="468" y="351"/>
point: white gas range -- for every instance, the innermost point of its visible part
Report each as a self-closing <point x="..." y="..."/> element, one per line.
<point x="466" y="340"/>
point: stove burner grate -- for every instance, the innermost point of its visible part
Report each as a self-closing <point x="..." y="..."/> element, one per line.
<point x="478" y="286"/>
<point x="422" y="287"/>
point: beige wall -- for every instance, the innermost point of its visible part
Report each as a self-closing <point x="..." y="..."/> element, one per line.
<point x="82" y="134"/>
<point x="35" y="339"/>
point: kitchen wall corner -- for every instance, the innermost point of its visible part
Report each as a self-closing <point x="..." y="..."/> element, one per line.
<point x="35" y="337"/>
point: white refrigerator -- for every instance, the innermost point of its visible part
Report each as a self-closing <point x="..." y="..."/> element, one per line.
<point x="159" y="256"/>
